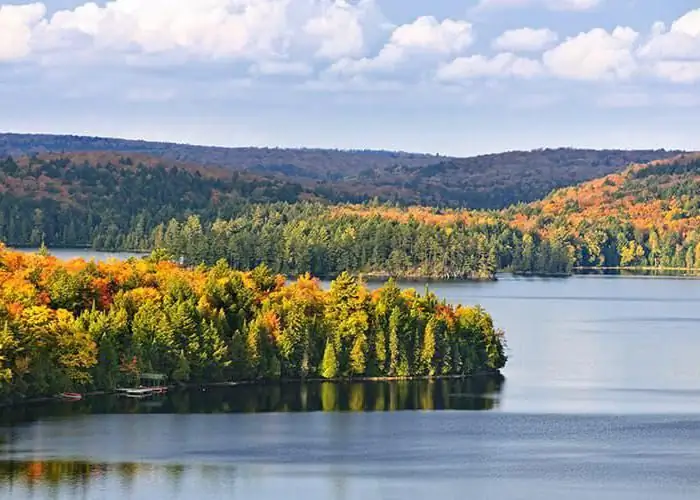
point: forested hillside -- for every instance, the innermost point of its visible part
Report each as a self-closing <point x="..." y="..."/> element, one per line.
<point x="95" y="199"/>
<point x="646" y="216"/>
<point x="67" y="326"/>
<point x="491" y="181"/>
<point x="484" y="182"/>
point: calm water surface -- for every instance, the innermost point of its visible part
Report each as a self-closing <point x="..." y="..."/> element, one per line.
<point x="68" y="253"/>
<point x="601" y="400"/>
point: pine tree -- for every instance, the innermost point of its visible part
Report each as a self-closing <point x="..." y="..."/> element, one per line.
<point x="394" y="348"/>
<point x="428" y="348"/>
<point x="329" y="366"/>
<point x="380" y="350"/>
<point x="358" y="356"/>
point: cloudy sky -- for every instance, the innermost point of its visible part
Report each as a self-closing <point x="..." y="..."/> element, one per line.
<point x="440" y="76"/>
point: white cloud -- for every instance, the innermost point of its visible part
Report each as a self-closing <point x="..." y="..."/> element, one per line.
<point x="214" y="28"/>
<point x="16" y="25"/>
<point x="208" y="29"/>
<point x="340" y="28"/>
<point x="525" y="40"/>
<point x="501" y="65"/>
<point x="681" y="41"/>
<point x="425" y="36"/>
<point x="302" y="37"/>
<point x="595" y="55"/>
<point x="678" y="71"/>
<point x="575" y="5"/>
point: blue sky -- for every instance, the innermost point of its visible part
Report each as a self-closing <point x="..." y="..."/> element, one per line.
<point x="441" y="76"/>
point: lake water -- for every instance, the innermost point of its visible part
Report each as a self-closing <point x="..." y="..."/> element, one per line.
<point x="601" y="400"/>
<point x="97" y="256"/>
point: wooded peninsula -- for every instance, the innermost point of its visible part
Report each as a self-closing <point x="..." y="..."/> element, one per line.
<point x="86" y="326"/>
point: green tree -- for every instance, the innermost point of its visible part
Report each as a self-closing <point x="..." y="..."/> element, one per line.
<point x="329" y="366"/>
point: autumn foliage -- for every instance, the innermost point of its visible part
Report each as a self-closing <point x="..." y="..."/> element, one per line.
<point x="80" y="325"/>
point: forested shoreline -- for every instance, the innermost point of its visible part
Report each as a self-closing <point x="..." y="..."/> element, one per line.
<point x="84" y="326"/>
<point x="645" y="217"/>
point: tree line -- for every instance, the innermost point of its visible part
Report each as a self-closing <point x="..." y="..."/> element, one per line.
<point x="94" y="326"/>
<point x="126" y="204"/>
<point x="305" y="237"/>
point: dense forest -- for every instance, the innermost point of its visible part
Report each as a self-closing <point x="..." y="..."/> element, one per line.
<point x="125" y="203"/>
<point x="95" y="199"/>
<point x="645" y="216"/>
<point x="81" y="326"/>
<point x="482" y="182"/>
<point x="293" y="239"/>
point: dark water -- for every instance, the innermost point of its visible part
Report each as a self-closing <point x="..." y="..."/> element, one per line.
<point x="601" y="400"/>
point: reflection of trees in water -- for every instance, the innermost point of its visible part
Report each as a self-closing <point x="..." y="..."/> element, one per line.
<point x="479" y="393"/>
<point x="54" y="473"/>
<point x="476" y="393"/>
<point x="81" y="474"/>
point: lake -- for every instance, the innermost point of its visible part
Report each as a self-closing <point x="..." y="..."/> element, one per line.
<point x="600" y="400"/>
<point x="87" y="254"/>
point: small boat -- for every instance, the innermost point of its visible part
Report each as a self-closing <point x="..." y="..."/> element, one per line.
<point x="71" y="396"/>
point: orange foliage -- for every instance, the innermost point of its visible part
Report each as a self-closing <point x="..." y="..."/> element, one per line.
<point x="587" y="202"/>
<point x="424" y="215"/>
<point x="272" y="323"/>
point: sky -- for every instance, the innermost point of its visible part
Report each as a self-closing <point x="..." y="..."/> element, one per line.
<point x="454" y="77"/>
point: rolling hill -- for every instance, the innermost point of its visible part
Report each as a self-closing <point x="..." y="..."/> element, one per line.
<point x="483" y="182"/>
<point x="83" y="199"/>
<point x="647" y="216"/>
<point x="641" y="215"/>
<point x="660" y="196"/>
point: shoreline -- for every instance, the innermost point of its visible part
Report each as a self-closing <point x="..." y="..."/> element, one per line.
<point x="638" y="268"/>
<point x="377" y="276"/>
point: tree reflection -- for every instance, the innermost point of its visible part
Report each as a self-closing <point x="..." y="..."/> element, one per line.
<point x="479" y="393"/>
<point x="474" y="394"/>
<point x="82" y="474"/>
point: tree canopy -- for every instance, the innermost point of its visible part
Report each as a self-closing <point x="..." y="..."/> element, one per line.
<point x="82" y="325"/>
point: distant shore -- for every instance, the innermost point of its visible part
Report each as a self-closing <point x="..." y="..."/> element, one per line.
<point x="648" y="270"/>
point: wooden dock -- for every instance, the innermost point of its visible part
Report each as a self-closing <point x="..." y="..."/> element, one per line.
<point x="141" y="392"/>
<point x="144" y="391"/>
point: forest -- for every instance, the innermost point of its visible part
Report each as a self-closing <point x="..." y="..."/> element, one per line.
<point x="648" y="216"/>
<point x="492" y="181"/>
<point x="644" y="216"/>
<point x="82" y="326"/>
